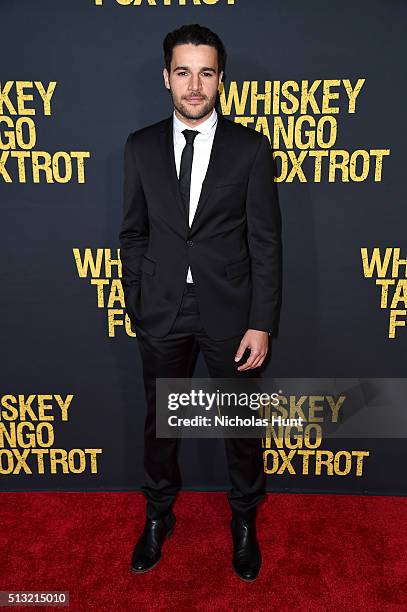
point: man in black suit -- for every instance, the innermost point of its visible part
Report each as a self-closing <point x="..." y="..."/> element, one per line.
<point x="201" y="254"/>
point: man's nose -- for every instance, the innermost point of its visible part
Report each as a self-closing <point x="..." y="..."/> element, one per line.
<point x="195" y="82"/>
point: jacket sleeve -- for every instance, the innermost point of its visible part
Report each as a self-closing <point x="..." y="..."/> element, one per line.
<point x="264" y="240"/>
<point x="134" y="232"/>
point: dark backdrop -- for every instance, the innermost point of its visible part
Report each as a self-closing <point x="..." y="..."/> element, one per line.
<point x="107" y="62"/>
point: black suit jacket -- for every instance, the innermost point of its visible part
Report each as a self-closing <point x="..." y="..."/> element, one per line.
<point x="233" y="246"/>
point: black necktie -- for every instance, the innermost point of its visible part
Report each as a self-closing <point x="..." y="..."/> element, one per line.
<point x="186" y="167"/>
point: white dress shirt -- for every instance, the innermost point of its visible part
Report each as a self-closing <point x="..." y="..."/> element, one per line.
<point x="202" y="153"/>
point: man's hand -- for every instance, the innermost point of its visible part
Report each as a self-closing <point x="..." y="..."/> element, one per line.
<point x="257" y="342"/>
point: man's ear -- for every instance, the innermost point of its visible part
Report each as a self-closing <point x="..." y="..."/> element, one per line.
<point x="166" y="78"/>
<point x="220" y="77"/>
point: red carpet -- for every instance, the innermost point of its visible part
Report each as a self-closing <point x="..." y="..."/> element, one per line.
<point x="320" y="553"/>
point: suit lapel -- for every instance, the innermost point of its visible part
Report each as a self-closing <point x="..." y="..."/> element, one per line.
<point x="215" y="168"/>
<point x="217" y="161"/>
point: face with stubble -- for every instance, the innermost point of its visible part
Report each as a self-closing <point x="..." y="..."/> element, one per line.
<point x="193" y="81"/>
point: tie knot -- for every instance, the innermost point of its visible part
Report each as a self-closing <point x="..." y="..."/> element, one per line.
<point x="190" y="135"/>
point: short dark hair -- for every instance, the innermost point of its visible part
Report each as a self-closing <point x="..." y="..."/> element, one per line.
<point x="197" y="35"/>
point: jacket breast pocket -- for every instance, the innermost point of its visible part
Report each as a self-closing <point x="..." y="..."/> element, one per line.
<point x="231" y="186"/>
<point x="148" y="265"/>
<point x="238" y="268"/>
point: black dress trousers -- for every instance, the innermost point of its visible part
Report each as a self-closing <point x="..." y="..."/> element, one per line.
<point x="173" y="357"/>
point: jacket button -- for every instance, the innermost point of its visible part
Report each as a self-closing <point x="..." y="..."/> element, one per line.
<point x="190" y="243"/>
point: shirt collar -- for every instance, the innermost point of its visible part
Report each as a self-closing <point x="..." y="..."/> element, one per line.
<point x="204" y="128"/>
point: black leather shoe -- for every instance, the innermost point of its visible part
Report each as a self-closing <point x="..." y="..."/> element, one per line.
<point x="246" y="560"/>
<point x="147" y="551"/>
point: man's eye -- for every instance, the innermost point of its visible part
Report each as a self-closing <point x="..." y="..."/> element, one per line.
<point x="207" y="74"/>
<point x="181" y="73"/>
